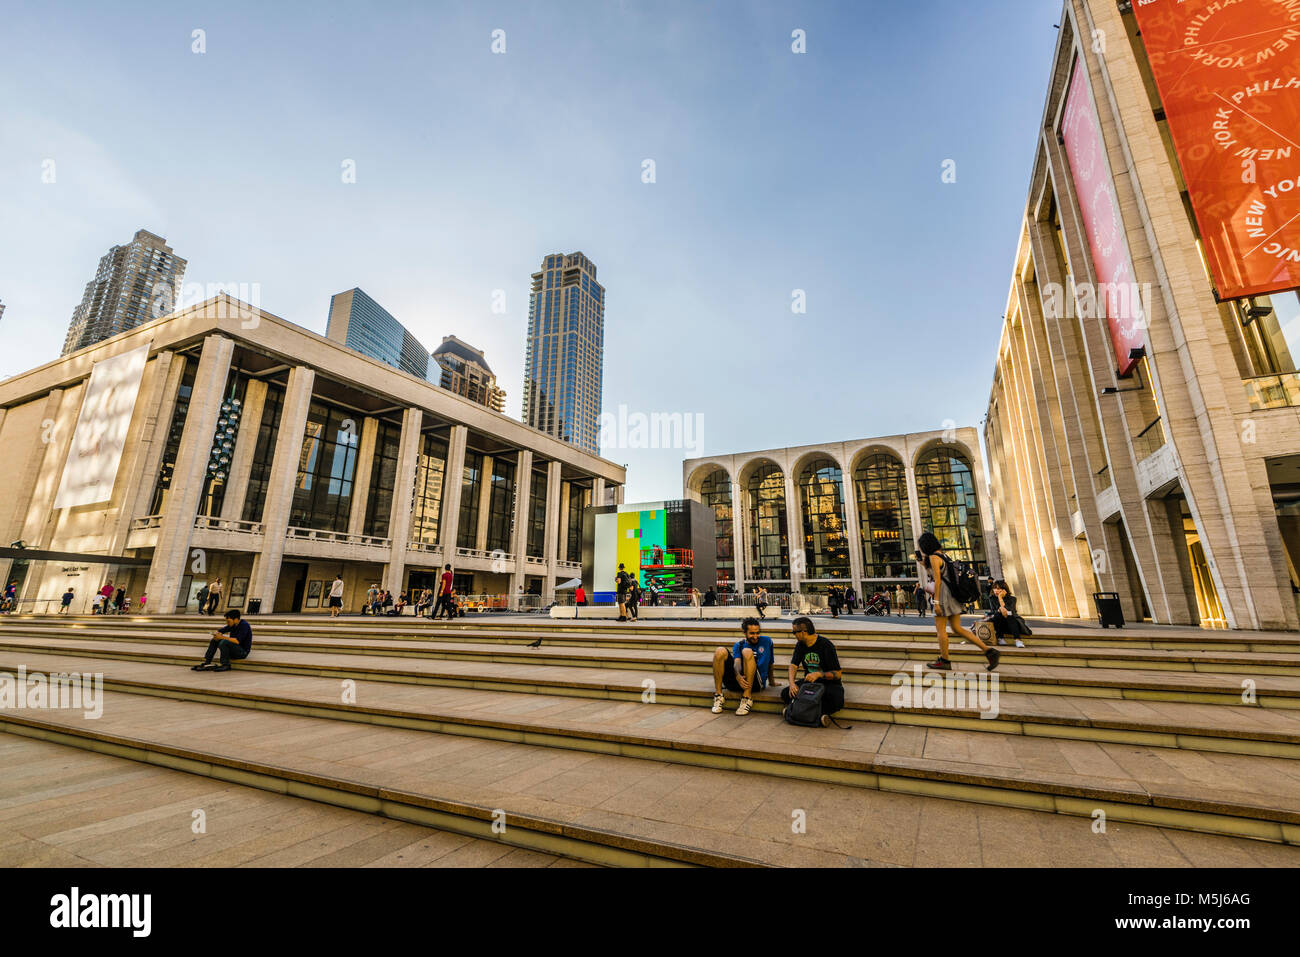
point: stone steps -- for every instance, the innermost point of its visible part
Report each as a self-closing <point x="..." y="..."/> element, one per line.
<point x="1234" y="795"/>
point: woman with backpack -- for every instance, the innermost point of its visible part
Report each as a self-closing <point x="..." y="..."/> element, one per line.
<point x="948" y="605"/>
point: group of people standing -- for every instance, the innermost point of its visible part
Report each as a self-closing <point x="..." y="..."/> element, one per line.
<point x="209" y="597"/>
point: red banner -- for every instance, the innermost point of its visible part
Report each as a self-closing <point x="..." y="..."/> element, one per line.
<point x="1117" y="291"/>
<point x="1228" y="72"/>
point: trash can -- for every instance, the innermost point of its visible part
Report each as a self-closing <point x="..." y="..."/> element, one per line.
<point x="254" y="605"/>
<point x="1109" y="611"/>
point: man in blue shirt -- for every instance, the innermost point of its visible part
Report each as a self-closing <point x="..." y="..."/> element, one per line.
<point x="744" y="668"/>
<point x="234" y="641"/>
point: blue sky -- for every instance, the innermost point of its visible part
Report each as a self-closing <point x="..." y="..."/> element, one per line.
<point x="775" y="171"/>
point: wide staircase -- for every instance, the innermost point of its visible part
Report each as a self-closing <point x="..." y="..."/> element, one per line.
<point x="1141" y="746"/>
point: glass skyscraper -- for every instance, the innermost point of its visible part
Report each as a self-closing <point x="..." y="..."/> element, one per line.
<point x="564" y="358"/>
<point x="364" y="325"/>
<point x="134" y="284"/>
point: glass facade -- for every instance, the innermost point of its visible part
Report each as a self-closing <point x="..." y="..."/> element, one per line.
<point x="769" y="543"/>
<point x="383" y="473"/>
<point x="260" y="474"/>
<point x="826" y="547"/>
<point x="322" y="495"/>
<point x="579" y="499"/>
<point x="500" y="504"/>
<point x="173" y="446"/>
<point x="426" y="508"/>
<point x="537" y="516"/>
<point x="365" y="326"/>
<point x="884" y="516"/>
<point x="715" y="492"/>
<point x="945" y="490"/>
<point x="467" y="531"/>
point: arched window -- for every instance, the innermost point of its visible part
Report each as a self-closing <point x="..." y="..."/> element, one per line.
<point x="715" y="492"/>
<point x="884" y="516"/>
<point x="769" y="549"/>
<point x="826" y="547"/>
<point x="945" y="489"/>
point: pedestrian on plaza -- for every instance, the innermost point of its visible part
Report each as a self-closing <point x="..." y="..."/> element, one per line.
<point x="760" y="601"/>
<point x="654" y="594"/>
<point x="579" y="596"/>
<point x="11" y="596"/>
<point x="745" y="668"/>
<point x="710" y="598"/>
<point x="106" y="594"/>
<point x="633" y="597"/>
<point x="202" y="597"/>
<point x="1006" y="622"/>
<point x="695" y="597"/>
<point x="67" y="601"/>
<point x="622" y="584"/>
<point x="336" y="596"/>
<point x="948" y="607"/>
<point x="233" y="642"/>
<point x="833" y="599"/>
<point x="850" y="599"/>
<point x="119" y="600"/>
<point x="214" y="596"/>
<point x="144" y="597"/>
<point x="443" y="602"/>
<point x="372" y="598"/>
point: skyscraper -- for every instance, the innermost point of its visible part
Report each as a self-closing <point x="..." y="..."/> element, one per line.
<point x="364" y="325"/>
<point x="465" y="371"/>
<point x="566" y="341"/>
<point x="134" y="284"/>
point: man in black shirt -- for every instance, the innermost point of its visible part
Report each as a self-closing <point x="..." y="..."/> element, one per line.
<point x="234" y="641"/>
<point x="820" y="663"/>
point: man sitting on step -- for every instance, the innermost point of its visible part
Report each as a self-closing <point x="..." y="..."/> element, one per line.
<point x="233" y="642"/>
<point x="744" y="668"/>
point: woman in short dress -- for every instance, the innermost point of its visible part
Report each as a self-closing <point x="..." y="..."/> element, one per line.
<point x="948" y="608"/>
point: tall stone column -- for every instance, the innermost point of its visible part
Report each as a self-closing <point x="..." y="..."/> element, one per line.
<point x="453" y="479"/>
<point x="597" y="491"/>
<point x="241" y="463"/>
<point x="794" y="534"/>
<point x="171" y="554"/>
<point x="852" y="530"/>
<point x="364" y="473"/>
<point x="279" y="494"/>
<point x="556" y="492"/>
<point x="740" y="553"/>
<point x="399" y="518"/>
<point x="484" y="502"/>
<point x="519" y="524"/>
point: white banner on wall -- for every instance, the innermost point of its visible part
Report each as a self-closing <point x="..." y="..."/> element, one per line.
<point x="96" y="451"/>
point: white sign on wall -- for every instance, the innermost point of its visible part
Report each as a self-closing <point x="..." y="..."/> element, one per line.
<point x="96" y="451"/>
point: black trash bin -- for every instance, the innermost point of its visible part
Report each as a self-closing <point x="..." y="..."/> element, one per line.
<point x="1109" y="611"/>
<point x="254" y="605"/>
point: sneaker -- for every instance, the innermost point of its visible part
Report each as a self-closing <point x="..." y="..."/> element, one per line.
<point x="718" y="702"/>
<point x="940" y="664"/>
<point x="1019" y="643"/>
<point x="993" y="655"/>
<point x="745" y="705"/>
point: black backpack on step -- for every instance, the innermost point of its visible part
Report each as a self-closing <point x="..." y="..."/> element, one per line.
<point x="805" y="708"/>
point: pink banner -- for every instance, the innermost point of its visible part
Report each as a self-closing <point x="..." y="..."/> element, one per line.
<point x="1117" y="291"/>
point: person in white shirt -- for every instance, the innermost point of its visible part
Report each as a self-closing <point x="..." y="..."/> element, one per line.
<point x="336" y="596"/>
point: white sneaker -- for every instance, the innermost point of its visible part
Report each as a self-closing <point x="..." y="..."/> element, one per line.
<point x="745" y="705"/>
<point x="718" y="701"/>
<point x="1019" y="643"/>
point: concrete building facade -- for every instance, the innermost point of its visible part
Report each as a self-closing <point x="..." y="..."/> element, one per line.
<point x="1177" y="483"/>
<point x="802" y="519"/>
<point x="339" y="464"/>
<point x="133" y="285"/>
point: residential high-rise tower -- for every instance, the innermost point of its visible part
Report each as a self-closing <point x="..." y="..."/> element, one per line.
<point x="565" y="352"/>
